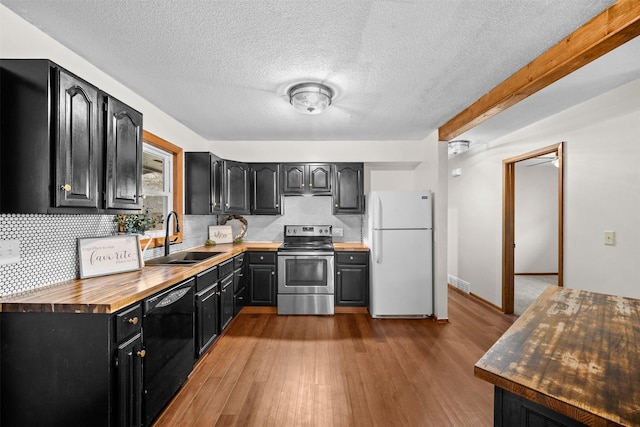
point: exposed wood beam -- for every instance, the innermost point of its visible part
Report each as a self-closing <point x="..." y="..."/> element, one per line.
<point x="610" y="29"/>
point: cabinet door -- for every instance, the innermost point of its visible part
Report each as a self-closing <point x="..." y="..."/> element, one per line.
<point x="239" y="300"/>
<point x="262" y="281"/>
<point x="198" y="179"/>
<point x="78" y="144"/>
<point x="293" y="179"/>
<point x="265" y="189"/>
<point x="319" y="179"/>
<point x="129" y="385"/>
<point x="236" y="187"/>
<point x="348" y="191"/>
<point x="226" y="302"/>
<point x="352" y="285"/>
<point x="216" y="184"/>
<point x="123" y="184"/>
<point x="207" y="318"/>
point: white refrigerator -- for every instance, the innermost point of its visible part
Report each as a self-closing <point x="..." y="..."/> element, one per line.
<point x="399" y="232"/>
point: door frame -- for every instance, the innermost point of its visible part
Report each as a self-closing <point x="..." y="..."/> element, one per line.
<point x="508" y="220"/>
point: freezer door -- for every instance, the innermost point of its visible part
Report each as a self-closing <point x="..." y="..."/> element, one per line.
<point x="401" y="274"/>
<point x="400" y="209"/>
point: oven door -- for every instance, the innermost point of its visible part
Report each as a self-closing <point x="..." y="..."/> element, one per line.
<point x="306" y="273"/>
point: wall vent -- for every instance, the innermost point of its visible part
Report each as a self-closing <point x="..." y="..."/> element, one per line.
<point x="459" y="283"/>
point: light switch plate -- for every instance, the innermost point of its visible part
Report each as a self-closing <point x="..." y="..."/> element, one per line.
<point x="610" y="238"/>
<point x="9" y="251"/>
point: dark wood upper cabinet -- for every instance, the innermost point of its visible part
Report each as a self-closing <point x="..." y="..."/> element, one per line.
<point x="265" y="188"/>
<point x="293" y="178"/>
<point x="348" y="197"/>
<point x="236" y="188"/>
<point x="66" y="146"/>
<point x="77" y="142"/>
<point x="203" y="183"/>
<point x="217" y="166"/>
<point x="309" y="178"/>
<point x="123" y="185"/>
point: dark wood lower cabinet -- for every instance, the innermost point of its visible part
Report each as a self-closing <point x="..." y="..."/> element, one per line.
<point x="226" y="301"/>
<point x="262" y="286"/>
<point x="71" y="369"/>
<point x="352" y="279"/>
<point x="262" y="281"/>
<point x="207" y="318"/>
<point x="239" y="283"/>
<point x="130" y="385"/>
<point x="512" y="410"/>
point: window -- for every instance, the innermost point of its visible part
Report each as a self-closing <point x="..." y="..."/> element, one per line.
<point x="161" y="184"/>
<point x="157" y="182"/>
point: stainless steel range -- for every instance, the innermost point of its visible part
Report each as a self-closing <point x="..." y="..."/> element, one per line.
<point x="305" y="270"/>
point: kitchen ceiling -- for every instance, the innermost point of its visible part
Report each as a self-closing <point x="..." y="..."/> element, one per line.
<point x="399" y="69"/>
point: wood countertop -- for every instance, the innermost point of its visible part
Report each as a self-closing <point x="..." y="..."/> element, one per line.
<point x="349" y="246"/>
<point x="108" y="294"/>
<point x="575" y="352"/>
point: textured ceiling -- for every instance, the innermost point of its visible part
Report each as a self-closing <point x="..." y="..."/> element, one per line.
<point x="400" y="69"/>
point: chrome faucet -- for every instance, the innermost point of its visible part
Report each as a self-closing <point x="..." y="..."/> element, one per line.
<point x="166" y="237"/>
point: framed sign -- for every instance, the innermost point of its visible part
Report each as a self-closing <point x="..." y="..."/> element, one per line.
<point x="220" y="234"/>
<point x="99" y="256"/>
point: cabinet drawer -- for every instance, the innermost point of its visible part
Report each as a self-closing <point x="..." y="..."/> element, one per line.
<point x="206" y="278"/>
<point x="238" y="261"/>
<point x="262" y="257"/>
<point x="128" y="322"/>
<point x="352" y="257"/>
<point x="225" y="268"/>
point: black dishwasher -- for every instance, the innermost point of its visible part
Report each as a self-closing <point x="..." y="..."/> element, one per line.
<point x="168" y="330"/>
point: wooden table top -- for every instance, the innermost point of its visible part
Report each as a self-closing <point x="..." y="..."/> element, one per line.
<point x="108" y="294"/>
<point x="575" y="352"/>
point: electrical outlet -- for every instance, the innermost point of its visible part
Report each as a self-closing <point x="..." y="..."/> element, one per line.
<point x="9" y="251"/>
<point x="338" y="232"/>
<point x="610" y="238"/>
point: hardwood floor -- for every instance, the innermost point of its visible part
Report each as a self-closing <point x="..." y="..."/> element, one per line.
<point x="343" y="370"/>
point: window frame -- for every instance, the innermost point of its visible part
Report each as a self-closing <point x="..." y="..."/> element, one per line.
<point x="177" y="186"/>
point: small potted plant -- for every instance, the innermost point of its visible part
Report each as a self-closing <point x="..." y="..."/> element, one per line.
<point x="136" y="223"/>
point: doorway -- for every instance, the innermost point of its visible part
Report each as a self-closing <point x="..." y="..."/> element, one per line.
<point x="508" y="219"/>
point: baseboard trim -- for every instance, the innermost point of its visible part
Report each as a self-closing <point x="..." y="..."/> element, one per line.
<point x="476" y="298"/>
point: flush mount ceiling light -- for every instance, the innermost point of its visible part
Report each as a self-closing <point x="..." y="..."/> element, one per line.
<point x="310" y="98"/>
<point x="458" y="146"/>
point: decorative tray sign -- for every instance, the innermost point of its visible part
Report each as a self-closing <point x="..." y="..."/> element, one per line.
<point x="99" y="256"/>
<point x="220" y="234"/>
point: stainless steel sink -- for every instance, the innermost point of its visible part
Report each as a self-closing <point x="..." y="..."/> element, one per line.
<point x="185" y="258"/>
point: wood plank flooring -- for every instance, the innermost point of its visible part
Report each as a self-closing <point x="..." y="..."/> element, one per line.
<point x="343" y="370"/>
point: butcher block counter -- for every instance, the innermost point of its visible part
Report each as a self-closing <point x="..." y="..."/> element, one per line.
<point x="108" y="294"/>
<point x="573" y="355"/>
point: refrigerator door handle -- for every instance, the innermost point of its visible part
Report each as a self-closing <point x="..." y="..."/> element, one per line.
<point x="377" y="246"/>
<point x="378" y="214"/>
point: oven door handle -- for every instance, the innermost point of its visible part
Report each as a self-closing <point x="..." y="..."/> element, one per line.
<point x="305" y="254"/>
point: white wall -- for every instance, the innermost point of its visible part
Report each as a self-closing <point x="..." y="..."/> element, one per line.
<point x="602" y="192"/>
<point x="431" y="174"/>
<point x="536" y="218"/>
